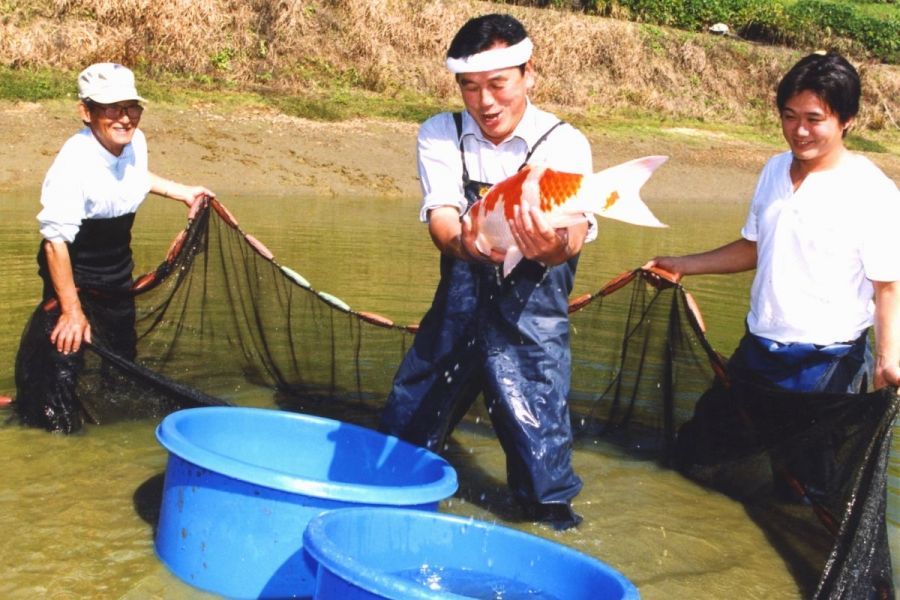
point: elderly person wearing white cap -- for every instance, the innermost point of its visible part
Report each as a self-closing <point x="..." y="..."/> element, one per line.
<point x="505" y="338"/>
<point x="89" y="196"/>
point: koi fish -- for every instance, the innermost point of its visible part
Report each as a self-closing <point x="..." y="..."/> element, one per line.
<point x="564" y="199"/>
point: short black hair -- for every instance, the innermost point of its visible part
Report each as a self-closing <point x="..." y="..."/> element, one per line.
<point x="830" y="76"/>
<point x="480" y="33"/>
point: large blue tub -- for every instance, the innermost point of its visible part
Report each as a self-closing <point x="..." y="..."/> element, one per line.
<point x="376" y="553"/>
<point x="241" y="485"/>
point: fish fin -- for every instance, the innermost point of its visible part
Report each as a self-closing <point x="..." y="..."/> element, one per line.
<point x="512" y="258"/>
<point x="614" y="193"/>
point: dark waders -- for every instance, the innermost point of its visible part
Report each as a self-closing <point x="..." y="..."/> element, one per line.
<point x="810" y="468"/>
<point x="46" y="379"/>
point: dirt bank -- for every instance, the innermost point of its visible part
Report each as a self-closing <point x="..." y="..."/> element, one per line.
<point x="248" y="152"/>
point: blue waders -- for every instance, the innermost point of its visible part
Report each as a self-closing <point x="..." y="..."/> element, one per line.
<point x="509" y="339"/>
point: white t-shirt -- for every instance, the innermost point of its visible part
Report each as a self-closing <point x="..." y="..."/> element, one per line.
<point x="86" y="181"/>
<point x="820" y="248"/>
<point x="440" y="165"/>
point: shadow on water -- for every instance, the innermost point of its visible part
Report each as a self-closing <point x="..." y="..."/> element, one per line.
<point x="330" y="403"/>
<point x="789" y="530"/>
<point x="478" y="486"/>
<point x="147" y="500"/>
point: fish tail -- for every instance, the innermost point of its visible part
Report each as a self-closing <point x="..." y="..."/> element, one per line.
<point x="614" y="193"/>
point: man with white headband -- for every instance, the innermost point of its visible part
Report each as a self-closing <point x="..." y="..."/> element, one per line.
<point x="505" y="338"/>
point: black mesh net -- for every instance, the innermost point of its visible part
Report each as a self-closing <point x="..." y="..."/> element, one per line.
<point x="811" y="469"/>
<point x="220" y="321"/>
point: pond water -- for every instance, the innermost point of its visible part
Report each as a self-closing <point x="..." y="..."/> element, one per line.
<point x="73" y="519"/>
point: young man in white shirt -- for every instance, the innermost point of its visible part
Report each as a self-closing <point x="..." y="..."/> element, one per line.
<point x="821" y="235"/>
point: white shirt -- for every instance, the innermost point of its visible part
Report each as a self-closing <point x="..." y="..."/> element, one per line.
<point x="820" y="248"/>
<point x="440" y="165"/>
<point x="86" y="181"/>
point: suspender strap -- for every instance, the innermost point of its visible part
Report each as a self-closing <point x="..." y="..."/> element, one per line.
<point x="457" y="120"/>
<point x="538" y="143"/>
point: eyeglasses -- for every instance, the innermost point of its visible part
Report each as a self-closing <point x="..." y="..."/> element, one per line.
<point x="114" y="111"/>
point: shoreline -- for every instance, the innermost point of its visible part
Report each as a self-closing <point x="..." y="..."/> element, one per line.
<point x="246" y="152"/>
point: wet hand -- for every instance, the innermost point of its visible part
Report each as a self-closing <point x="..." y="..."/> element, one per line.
<point x="535" y="237"/>
<point x="71" y="330"/>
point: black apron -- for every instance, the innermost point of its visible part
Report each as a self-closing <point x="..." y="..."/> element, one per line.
<point x="46" y="379"/>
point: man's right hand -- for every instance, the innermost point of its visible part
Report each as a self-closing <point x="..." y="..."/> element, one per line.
<point x="72" y="328"/>
<point x="454" y="236"/>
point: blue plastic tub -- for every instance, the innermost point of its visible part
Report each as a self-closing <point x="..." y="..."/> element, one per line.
<point x="241" y="485"/>
<point x="376" y="553"/>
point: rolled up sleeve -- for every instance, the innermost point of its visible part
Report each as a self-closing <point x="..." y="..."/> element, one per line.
<point x="439" y="165"/>
<point x="879" y="250"/>
<point x="63" y="204"/>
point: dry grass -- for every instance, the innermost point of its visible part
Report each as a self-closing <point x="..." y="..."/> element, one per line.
<point x="586" y="64"/>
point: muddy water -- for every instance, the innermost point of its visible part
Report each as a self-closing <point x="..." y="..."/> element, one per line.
<point x="76" y="512"/>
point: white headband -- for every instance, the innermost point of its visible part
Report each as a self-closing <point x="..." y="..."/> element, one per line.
<point x="493" y="59"/>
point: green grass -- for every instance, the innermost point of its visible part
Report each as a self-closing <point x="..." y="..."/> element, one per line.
<point x="865" y="143"/>
<point x="328" y="95"/>
<point x="878" y="10"/>
<point x="343" y="102"/>
<point x="334" y="103"/>
<point x="648" y="126"/>
<point x="862" y="29"/>
<point x="31" y="86"/>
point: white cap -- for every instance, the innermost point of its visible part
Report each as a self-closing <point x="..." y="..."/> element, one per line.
<point x="107" y="83"/>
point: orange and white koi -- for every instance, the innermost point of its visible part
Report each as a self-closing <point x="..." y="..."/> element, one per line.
<point x="564" y="199"/>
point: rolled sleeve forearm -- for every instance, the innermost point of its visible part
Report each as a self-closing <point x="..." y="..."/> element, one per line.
<point x="55" y="232"/>
<point x="440" y="167"/>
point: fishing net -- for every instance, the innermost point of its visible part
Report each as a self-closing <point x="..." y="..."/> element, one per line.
<point x="646" y="378"/>
<point x="221" y="321"/>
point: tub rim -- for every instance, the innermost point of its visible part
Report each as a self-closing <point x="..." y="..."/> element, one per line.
<point x="328" y="554"/>
<point x="173" y="439"/>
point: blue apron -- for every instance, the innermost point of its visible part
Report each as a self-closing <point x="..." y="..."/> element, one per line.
<point x="800" y="367"/>
<point x="508" y="339"/>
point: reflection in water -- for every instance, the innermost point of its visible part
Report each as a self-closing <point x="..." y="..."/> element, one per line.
<point x="73" y="520"/>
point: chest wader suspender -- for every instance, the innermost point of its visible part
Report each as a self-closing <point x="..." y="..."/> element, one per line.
<point x="471" y="188"/>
